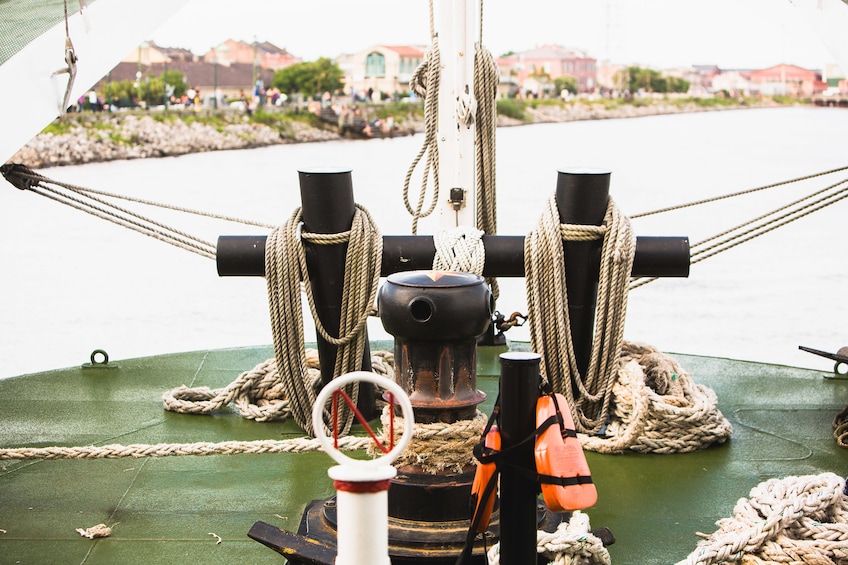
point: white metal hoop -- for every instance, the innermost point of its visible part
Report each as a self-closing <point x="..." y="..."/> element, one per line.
<point x="327" y="443"/>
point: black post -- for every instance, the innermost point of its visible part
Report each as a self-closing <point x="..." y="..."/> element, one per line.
<point x="327" y="206"/>
<point x="519" y="389"/>
<point x="581" y="197"/>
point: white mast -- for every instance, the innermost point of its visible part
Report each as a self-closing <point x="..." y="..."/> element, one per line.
<point x="457" y="108"/>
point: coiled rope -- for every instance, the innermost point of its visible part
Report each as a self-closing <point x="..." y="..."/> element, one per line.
<point x="550" y="327"/>
<point x="570" y="544"/>
<point x="459" y="249"/>
<point x="801" y="520"/>
<point x="840" y="428"/>
<point x="658" y="408"/>
<point x="426" y="77"/>
<point x="438" y="446"/>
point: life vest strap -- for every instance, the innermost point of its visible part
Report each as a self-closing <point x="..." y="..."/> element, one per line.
<point x="564" y="481"/>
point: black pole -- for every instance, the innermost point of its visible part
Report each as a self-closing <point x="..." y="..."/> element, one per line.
<point x="519" y="389"/>
<point x="327" y="206"/>
<point x="244" y="255"/>
<point x="581" y="197"/>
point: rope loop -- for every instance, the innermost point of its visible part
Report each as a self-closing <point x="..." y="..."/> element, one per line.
<point x="576" y="232"/>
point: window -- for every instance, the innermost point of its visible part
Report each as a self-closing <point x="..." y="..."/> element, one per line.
<point x="375" y="65"/>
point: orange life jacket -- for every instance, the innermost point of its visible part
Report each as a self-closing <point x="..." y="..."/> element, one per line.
<point x="563" y="472"/>
<point x="485" y="482"/>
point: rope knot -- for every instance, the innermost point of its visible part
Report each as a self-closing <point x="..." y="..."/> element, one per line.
<point x="459" y="249"/>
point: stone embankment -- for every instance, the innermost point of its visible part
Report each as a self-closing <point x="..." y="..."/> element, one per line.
<point x="106" y="137"/>
<point x="140" y="137"/>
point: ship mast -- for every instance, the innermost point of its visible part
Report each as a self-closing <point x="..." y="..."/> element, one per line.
<point x="457" y="108"/>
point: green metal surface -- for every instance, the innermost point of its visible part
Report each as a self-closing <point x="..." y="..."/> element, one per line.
<point x="165" y="510"/>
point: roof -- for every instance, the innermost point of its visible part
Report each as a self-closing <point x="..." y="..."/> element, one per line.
<point x="405" y="50"/>
<point x="198" y="73"/>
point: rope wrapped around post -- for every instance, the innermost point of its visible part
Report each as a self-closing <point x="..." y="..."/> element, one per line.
<point x="588" y="395"/>
<point x="289" y="385"/>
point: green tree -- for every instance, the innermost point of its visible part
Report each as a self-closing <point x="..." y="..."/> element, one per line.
<point x="169" y="83"/>
<point x="565" y="82"/>
<point x="653" y="81"/>
<point x="309" y="78"/>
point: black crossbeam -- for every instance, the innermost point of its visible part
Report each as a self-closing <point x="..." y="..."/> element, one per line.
<point x="244" y="255"/>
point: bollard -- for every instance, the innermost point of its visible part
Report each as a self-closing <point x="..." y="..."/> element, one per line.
<point x="519" y="390"/>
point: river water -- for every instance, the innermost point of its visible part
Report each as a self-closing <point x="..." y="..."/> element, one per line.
<point x="73" y="283"/>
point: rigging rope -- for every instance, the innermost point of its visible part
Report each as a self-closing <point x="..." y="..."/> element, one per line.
<point x="588" y="395"/>
<point x="760" y="225"/>
<point x="479" y="109"/>
<point x="84" y="199"/>
<point x="426" y="77"/>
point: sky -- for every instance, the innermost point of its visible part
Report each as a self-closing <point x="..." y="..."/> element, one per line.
<point x="652" y="33"/>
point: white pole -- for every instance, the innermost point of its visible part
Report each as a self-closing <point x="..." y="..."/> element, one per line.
<point x="362" y="502"/>
<point x="457" y="107"/>
<point x="362" y="497"/>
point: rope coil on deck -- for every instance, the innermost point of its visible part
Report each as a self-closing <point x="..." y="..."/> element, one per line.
<point x="570" y="544"/>
<point x="840" y="428"/>
<point x="801" y="520"/>
<point x="288" y="385"/>
<point x="658" y="408"/>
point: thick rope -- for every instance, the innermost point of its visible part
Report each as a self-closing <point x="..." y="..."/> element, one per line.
<point x="486" y="80"/>
<point x="438" y="446"/>
<point x="588" y="395"/>
<point x="459" y="249"/>
<point x="801" y="520"/>
<point x="135" y="451"/>
<point x="658" y="408"/>
<point x="570" y="544"/>
<point x="289" y="384"/>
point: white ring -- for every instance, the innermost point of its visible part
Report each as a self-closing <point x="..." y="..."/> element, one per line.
<point x="399" y="396"/>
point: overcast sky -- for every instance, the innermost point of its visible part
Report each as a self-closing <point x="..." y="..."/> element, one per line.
<point x="654" y="33"/>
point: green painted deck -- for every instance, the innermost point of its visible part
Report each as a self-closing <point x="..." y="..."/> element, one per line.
<point x="165" y="510"/>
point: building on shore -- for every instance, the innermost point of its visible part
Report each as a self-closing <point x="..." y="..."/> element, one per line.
<point x="532" y="72"/>
<point x="382" y="70"/>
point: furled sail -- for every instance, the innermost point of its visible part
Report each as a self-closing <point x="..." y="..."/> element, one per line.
<point x="34" y="71"/>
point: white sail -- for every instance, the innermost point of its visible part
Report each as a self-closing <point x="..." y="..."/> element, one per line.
<point x="104" y="33"/>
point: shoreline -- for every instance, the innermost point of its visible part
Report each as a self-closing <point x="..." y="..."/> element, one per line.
<point x="100" y="137"/>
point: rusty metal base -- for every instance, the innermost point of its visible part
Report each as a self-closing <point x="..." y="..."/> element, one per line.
<point x="410" y="543"/>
